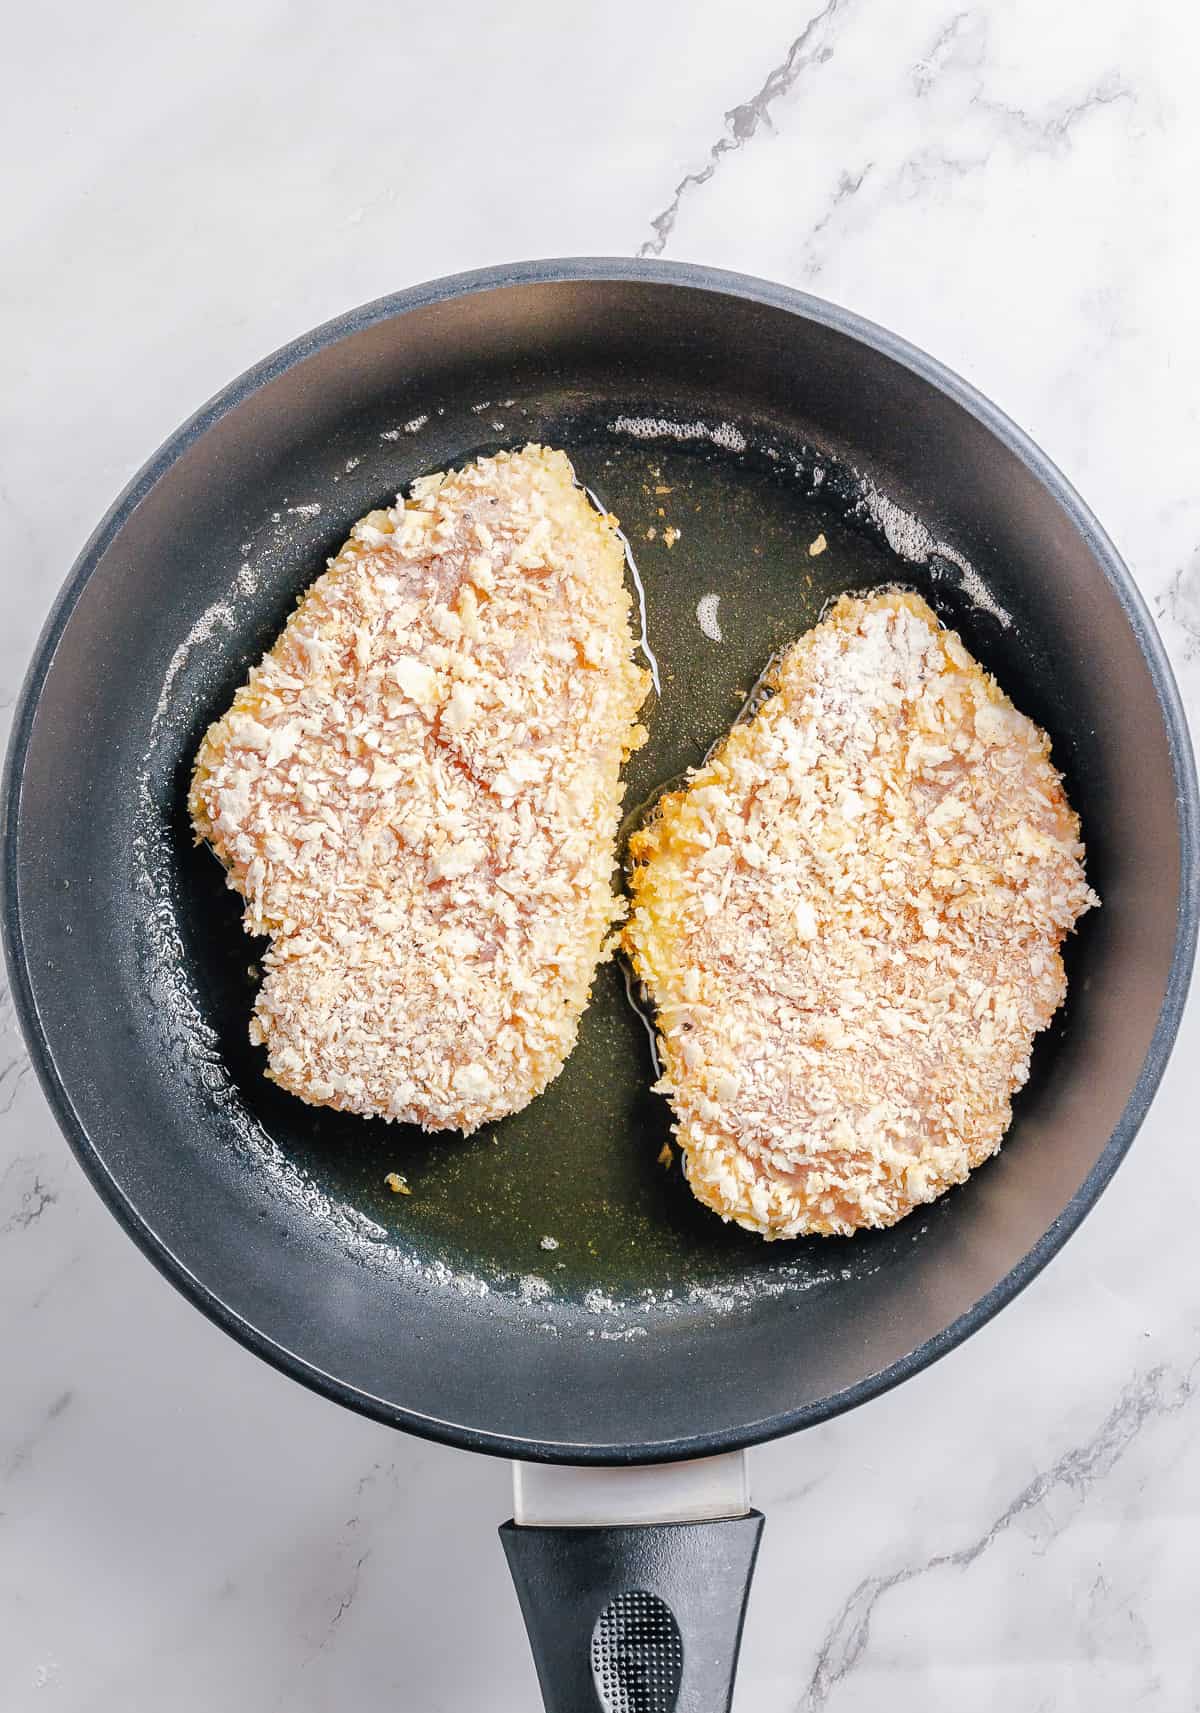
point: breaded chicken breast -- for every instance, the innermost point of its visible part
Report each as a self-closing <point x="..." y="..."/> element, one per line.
<point x="849" y="922"/>
<point x="417" y="794"/>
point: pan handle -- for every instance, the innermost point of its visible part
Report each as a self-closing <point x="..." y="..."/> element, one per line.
<point x="643" y="1615"/>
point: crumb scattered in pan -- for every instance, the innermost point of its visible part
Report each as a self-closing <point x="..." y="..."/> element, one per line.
<point x="671" y="534"/>
<point x="817" y="546"/>
<point x="398" y="1184"/>
<point x="666" y="1156"/>
<point x="548" y="1243"/>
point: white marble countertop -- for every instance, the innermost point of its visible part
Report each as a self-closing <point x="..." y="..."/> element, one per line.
<point x="1008" y="184"/>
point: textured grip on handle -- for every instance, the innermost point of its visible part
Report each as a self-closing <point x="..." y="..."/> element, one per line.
<point x="643" y="1618"/>
<point x="637" y="1655"/>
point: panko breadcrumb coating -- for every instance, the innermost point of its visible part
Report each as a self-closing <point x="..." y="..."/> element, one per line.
<point x="417" y="794"/>
<point x="849" y="922"/>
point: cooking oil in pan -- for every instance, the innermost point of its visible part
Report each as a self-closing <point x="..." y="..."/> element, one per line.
<point x="579" y="1200"/>
<point x="586" y="1164"/>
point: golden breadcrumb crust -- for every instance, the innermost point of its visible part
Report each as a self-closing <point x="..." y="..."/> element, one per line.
<point x="849" y="922"/>
<point x="417" y="794"/>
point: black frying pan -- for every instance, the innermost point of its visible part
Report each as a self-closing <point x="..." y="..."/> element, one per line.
<point x="652" y="1332"/>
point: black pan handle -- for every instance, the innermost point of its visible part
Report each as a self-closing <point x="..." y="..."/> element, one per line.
<point x="636" y="1618"/>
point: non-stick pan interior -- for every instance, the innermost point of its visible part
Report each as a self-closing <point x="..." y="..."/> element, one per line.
<point x="551" y="1279"/>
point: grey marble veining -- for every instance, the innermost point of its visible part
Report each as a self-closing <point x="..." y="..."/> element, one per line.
<point x="1011" y="186"/>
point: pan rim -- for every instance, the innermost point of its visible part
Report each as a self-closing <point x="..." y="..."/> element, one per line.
<point x="604" y="270"/>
